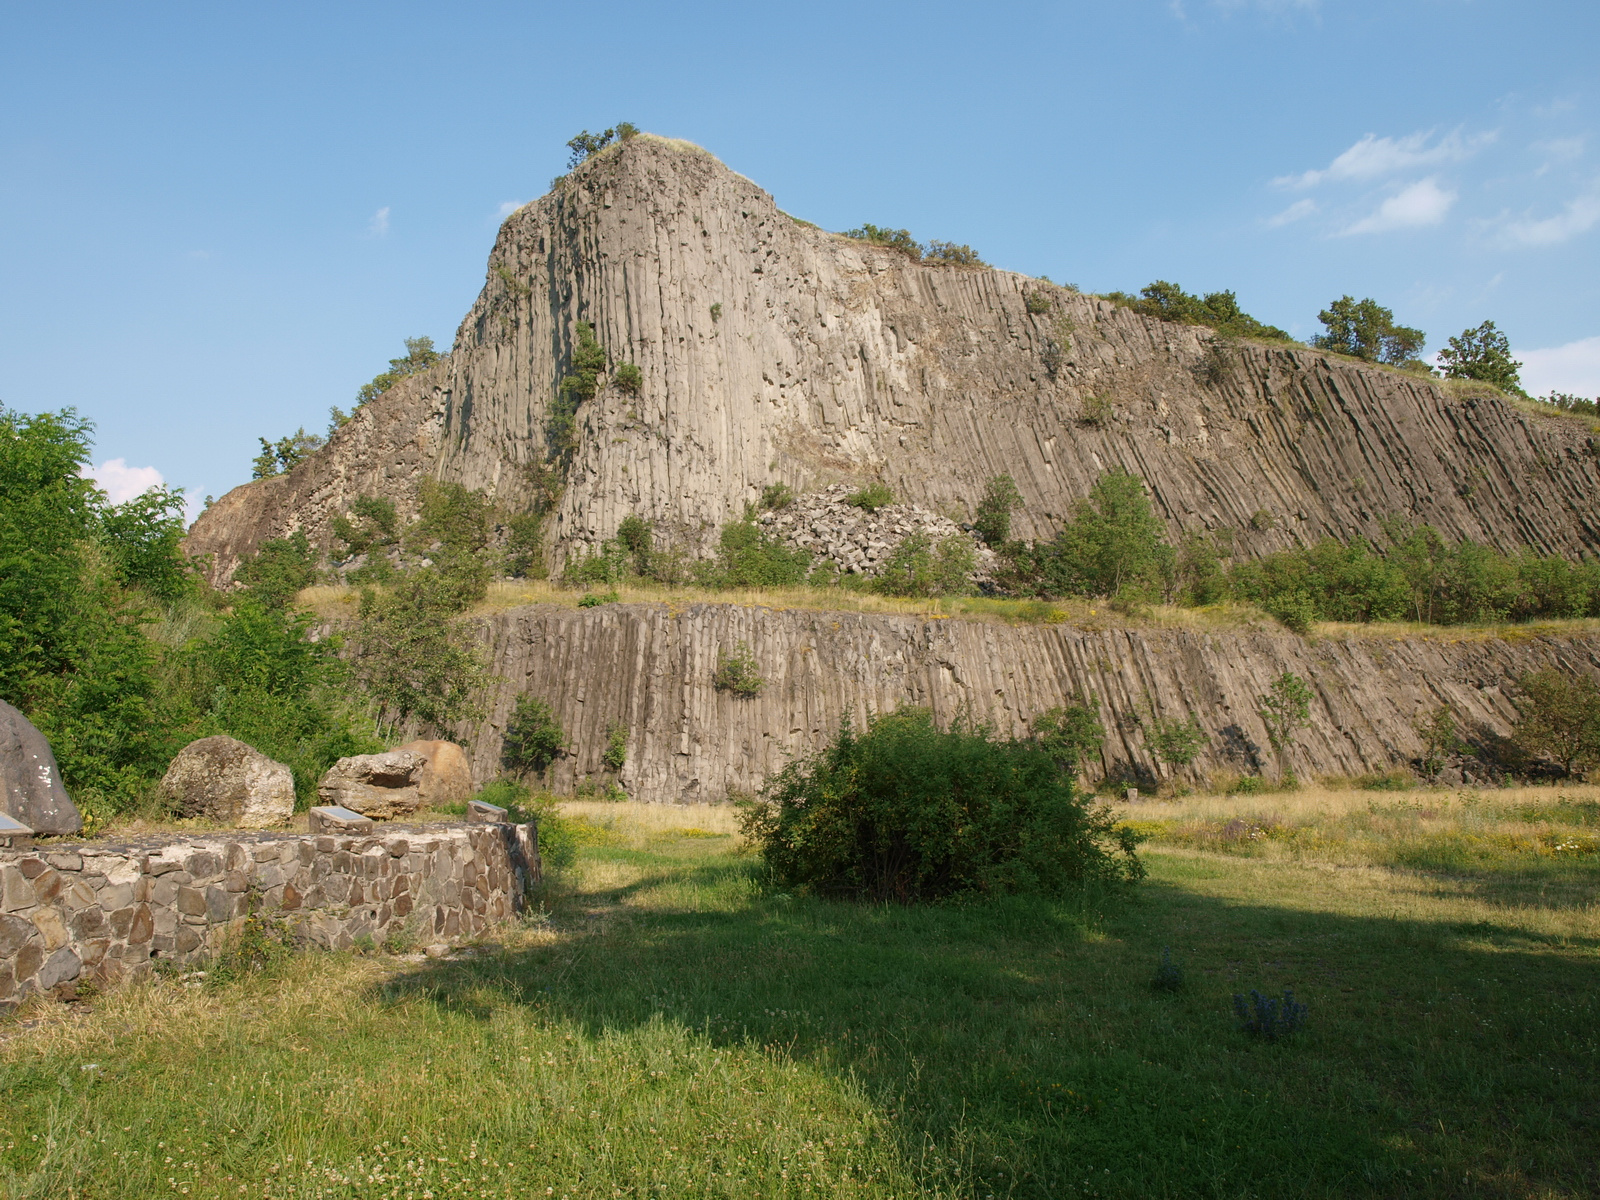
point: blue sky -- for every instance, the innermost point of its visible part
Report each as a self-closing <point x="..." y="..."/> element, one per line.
<point x="217" y="220"/>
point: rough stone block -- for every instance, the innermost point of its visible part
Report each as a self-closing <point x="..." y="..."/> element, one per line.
<point x="219" y="904"/>
<point x="88" y="923"/>
<point x="335" y="819"/>
<point x="28" y="960"/>
<point x="51" y="927"/>
<point x="191" y="902"/>
<point x="15" y="890"/>
<point x="480" y="812"/>
<point x="15" y="933"/>
<point x="31" y="790"/>
<point x="64" y="860"/>
<point x="143" y="927"/>
<point x="228" y="781"/>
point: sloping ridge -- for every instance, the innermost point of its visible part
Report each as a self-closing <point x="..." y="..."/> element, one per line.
<point x="772" y="350"/>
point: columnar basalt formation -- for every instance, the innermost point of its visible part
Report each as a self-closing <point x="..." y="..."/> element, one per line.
<point x="651" y="669"/>
<point x="772" y="351"/>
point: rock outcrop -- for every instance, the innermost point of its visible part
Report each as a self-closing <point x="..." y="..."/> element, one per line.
<point x="227" y="781"/>
<point x="855" y="541"/>
<point x="772" y="351"/>
<point x="31" y="790"/>
<point x="381" y="786"/>
<point x="446" y="775"/>
<point x="650" y="668"/>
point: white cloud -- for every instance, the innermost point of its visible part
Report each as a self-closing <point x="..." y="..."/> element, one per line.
<point x="379" y="225"/>
<point x="1374" y="156"/>
<point x="1423" y="203"/>
<point x="1573" y="368"/>
<point x="121" y="482"/>
<point x="509" y="207"/>
<point x="1579" y="216"/>
<point x="1295" y="212"/>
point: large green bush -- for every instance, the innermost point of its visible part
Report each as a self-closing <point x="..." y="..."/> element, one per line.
<point x="1559" y="720"/>
<point x="1218" y="310"/>
<point x="909" y="812"/>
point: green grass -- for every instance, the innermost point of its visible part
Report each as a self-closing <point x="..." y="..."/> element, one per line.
<point x="675" y="1028"/>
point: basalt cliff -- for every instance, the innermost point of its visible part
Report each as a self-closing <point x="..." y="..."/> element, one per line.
<point x="773" y="351"/>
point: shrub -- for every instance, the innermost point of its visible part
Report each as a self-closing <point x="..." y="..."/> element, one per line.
<point x="378" y="525"/>
<point x="590" y="600"/>
<point x="419" y="356"/>
<point x="918" y="568"/>
<point x="534" y="737"/>
<point x="1168" y="976"/>
<point x="1070" y="735"/>
<point x="1218" y="310"/>
<point x="1484" y="354"/>
<point x="1266" y="1017"/>
<point x="776" y="496"/>
<point x="952" y="255"/>
<point x="629" y="378"/>
<point x="1365" y="329"/>
<point x="739" y="673"/>
<point x="1037" y="303"/>
<point x="716" y="311"/>
<point x="912" y="813"/>
<point x="894" y="239"/>
<point x="1176" y="743"/>
<point x="142" y="540"/>
<point x="524" y="552"/>
<point x="588" y="361"/>
<point x="585" y="144"/>
<point x="992" y="522"/>
<point x="615" y="755"/>
<point x="452" y="530"/>
<point x="282" y="456"/>
<point x="279" y="569"/>
<point x="872" y="497"/>
<point x="1440" y="738"/>
<point x="748" y="557"/>
<point x="1097" y="410"/>
<point x="1285" y="708"/>
<point x="1559" y="720"/>
<point x="414" y="661"/>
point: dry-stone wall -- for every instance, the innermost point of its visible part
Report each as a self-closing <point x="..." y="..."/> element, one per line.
<point x="860" y="542"/>
<point x="94" y="913"/>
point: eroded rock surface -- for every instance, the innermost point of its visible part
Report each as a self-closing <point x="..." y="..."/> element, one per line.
<point x="774" y="351"/>
<point x="381" y="786"/>
<point x="446" y="775"/>
<point x="30" y="782"/>
<point x="650" y="668"/>
<point x="228" y="781"/>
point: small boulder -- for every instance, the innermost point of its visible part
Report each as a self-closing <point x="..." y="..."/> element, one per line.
<point x="447" y="777"/>
<point x="30" y="782"/>
<point x="230" y="782"/>
<point x="337" y="820"/>
<point x="380" y="786"/>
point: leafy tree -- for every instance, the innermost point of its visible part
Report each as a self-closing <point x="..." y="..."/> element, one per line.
<point x="415" y="662"/>
<point x="1218" y="310"/>
<point x="912" y="813"/>
<point x="993" y="520"/>
<point x="419" y="356"/>
<point x="1365" y="329"/>
<point x="534" y="737"/>
<point x="525" y="546"/>
<point x="1285" y="708"/>
<point x="951" y="254"/>
<point x="615" y="756"/>
<point x="586" y="143"/>
<point x="919" y="568"/>
<point x="143" y="539"/>
<point x="638" y="540"/>
<point x="749" y="557"/>
<point x="283" y="455"/>
<point x="1483" y="353"/>
<point x="1560" y="719"/>
<point x="1071" y="734"/>
<point x="629" y="378"/>
<point x="1114" y="545"/>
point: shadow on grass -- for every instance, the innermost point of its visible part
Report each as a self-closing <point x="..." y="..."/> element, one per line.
<point x="1022" y="1042"/>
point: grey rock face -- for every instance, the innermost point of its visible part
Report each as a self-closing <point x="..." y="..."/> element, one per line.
<point x="228" y="781"/>
<point x="650" y="668"/>
<point x="30" y="782"/>
<point x="829" y="360"/>
<point x="380" y="786"/>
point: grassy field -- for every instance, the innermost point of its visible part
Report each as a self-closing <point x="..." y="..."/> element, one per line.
<point x="669" y="1026"/>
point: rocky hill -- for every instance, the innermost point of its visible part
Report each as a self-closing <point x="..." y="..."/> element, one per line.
<point x="771" y="351"/>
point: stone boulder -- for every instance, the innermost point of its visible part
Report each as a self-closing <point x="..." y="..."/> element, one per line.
<point x="230" y="782"/>
<point x="30" y="782"/>
<point x="447" y="778"/>
<point x="380" y="786"/>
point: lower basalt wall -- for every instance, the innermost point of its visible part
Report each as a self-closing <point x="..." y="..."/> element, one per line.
<point x="95" y="913"/>
<point x="650" y="669"/>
